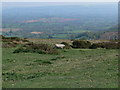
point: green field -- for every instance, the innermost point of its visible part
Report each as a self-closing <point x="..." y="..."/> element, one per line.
<point x="72" y="68"/>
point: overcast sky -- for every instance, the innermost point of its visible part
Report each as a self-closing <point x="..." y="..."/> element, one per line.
<point x="31" y="4"/>
<point x="59" y="0"/>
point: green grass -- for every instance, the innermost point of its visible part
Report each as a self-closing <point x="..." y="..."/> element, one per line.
<point x="73" y="68"/>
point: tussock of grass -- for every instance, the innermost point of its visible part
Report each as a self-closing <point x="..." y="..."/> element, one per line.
<point x="16" y="76"/>
<point x="58" y="58"/>
<point x="46" y="62"/>
<point x="43" y="62"/>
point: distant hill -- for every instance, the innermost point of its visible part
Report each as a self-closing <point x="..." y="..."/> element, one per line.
<point x="111" y="33"/>
<point x="59" y="22"/>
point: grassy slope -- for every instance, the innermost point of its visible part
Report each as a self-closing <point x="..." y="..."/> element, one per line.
<point x="73" y="68"/>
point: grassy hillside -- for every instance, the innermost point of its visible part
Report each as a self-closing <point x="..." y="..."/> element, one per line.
<point x="72" y="68"/>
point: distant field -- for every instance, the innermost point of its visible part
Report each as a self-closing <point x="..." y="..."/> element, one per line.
<point x="51" y="20"/>
<point x="79" y="31"/>
<point x="10" y="29"/>
<point x="73" y="68"/>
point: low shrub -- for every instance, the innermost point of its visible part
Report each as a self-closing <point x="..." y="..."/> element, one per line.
<point x="93" y="46"/>
<point x="107" y="45"/>
<point x="81" y="44"/>
<point x="67" y="46"/>
<point x="24" y="40"/>
<point x="9" y="42"/>
<point x="8" y="45"/>
<point x="10" y="39"/>
<point x="111" y="45"/>
<point x="36" y="48"/>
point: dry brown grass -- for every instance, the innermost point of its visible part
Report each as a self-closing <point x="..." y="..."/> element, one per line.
<point x="50" y="41"/>
<point x="98" y="41"/>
